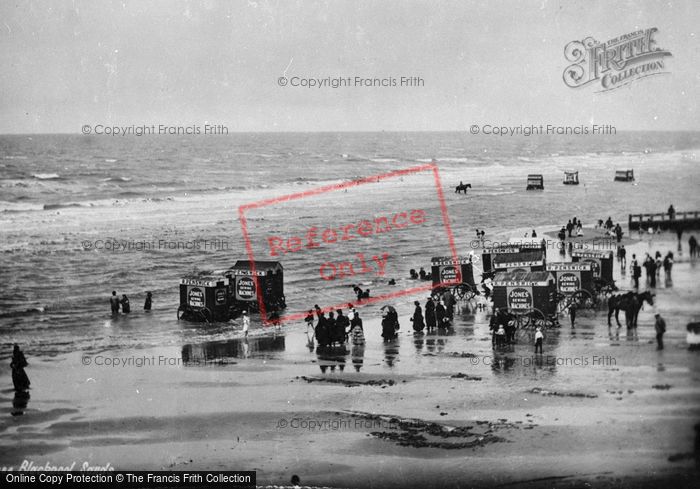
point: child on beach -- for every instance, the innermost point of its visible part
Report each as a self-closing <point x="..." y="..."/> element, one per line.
<point x="539" y="337"/>
<point x="246" y="323"/>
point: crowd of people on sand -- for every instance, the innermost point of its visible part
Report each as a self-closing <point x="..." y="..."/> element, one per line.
<point x="335" y="328"/>
<point x="122" y="302"/>
<point x="652" y="267"/>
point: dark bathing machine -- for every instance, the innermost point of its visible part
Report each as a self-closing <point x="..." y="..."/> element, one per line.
<point x="519" y="253"/>
<point x="225" y="294"/>
<point x="456" y="275"/>
<point x="601" y="262"/>
<point x="570" y="178"/>
<point x="624" y="176"/>
<point x="529" y="298"/>
<point x="535" y="182"/>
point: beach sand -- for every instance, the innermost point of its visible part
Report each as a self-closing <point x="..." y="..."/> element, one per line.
<point x="602" y="406"/>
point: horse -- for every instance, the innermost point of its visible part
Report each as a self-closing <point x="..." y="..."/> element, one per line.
<point x="462" y="187"/>
<point x="631" y="303"/>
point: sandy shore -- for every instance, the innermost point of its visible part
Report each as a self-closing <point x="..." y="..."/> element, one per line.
<point x="601" y="407"/>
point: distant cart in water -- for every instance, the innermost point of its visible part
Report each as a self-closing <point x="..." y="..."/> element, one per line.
<point x="570" y="178"/>
<point x="535" y="182"/>
<point x="624" y="176"/>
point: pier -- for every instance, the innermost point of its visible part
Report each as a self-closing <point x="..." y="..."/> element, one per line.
<point x="663" y="222"/>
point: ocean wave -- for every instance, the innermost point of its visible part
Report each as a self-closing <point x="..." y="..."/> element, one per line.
<point x="508" y="192"/>
<point x="49" y="207"/>
<point x="116" y="179"/>
<point x="453" y="159"/>
<point x="18" y="207"/>
<point x="32" y="311"/>
<point x="46" y="176"/>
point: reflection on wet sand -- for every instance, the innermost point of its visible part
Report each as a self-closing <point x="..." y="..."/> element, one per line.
<point x="358" y="356"/>
<point x="19" y="403"/>
<point x="418" y="342"/>
<point x="222" y="352"/>
<point x="391" y="352"/>
<point x="332" y="356"/>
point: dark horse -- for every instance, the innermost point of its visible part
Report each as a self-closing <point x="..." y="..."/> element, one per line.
<point x="631" y="303"/>
<point x="462" y="187"/>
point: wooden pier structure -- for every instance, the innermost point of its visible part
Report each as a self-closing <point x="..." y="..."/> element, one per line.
<point x="661" y="221"/>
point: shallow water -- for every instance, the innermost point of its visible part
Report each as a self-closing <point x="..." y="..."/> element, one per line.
<point x="54" y="291"/>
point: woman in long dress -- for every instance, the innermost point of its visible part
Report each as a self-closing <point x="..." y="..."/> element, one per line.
<point x="357" y="334"/>
<point x="418" y="323"/>
<point x="19" y="376"/>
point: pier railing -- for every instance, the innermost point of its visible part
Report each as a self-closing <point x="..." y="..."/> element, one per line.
<point x="663" y="221"/>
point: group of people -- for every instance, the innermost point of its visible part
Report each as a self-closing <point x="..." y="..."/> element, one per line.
<point x="116" y="302"/>
<point x="652" y="267"/>
<point x="336" y="328"/>
<point x="610" y="228"/>
<point x="421" y="274"/>
<point x="361" y="294"/>
<point x="439" y="313"/>
<point x="502" y="329"/>
<point x="574" y="225"/>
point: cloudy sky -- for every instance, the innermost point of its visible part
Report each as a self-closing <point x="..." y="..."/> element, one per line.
<point x="69" y="63"/>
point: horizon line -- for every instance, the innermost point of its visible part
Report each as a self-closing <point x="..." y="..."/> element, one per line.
<point x="466" y="131"/>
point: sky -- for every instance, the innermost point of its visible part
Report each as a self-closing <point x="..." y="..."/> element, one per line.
<point x="70" y="63"/>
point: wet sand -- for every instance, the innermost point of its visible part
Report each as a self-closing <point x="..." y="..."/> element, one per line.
<point x="602" y="406"/>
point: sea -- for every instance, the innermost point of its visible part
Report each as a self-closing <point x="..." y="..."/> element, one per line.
<point x="81" y="216"/>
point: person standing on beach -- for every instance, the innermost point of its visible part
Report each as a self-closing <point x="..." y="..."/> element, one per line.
<point x="321" y="332"/>
<point x="126" y="307"/>
<point x="149" y="300"/>
<point x="114" y="303"/>
<point x="693" y="245"/>
<point x="636" y="271"/>
<point x="342" y="327"/>
<point x="417" y="319"/>
<point x="20" y="380"/>
<point x="539" y="338"/>
<point x="356" y="320"/>
<point x="668" y="265"/>
<point x="660" y="326"/>
<point x="309" y="320"/>
<point x="440" y="315"/>
<point x="430" y="320"/>
<point x="569" y="227"/>
<point x="356" y="331"/>
<point x="246" y="323"/>
<point x="623" y="257"/>
<point x="650" y="269"/>
<point x="671" y="212"/>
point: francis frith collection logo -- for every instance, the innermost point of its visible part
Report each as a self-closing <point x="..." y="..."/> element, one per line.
<point x="614" y="63"/>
